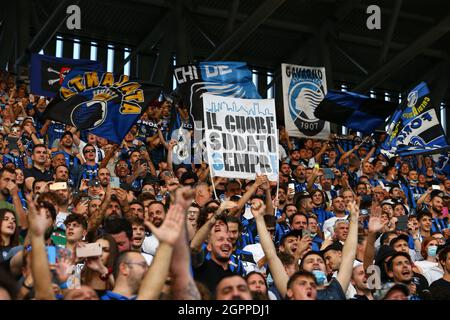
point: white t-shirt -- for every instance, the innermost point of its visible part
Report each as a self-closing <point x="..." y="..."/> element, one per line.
<point x="431" y="270"/>
<point x="150" y="245"/>
<point x="148" y="258"/>
<point x="258" y="253"/>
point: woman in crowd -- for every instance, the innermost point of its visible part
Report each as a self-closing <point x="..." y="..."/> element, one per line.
<point x="9" y="235"/>
<point x="97" y="272"/>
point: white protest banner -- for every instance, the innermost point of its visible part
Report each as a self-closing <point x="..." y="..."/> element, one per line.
<point x="303" y="89"/>
<point x="241" y="137"/>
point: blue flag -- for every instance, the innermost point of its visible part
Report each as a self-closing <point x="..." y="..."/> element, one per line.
<point x="354" y="110"/>
<point x="101" y="103"/>
<point x="227" y="79"/>
<point x="414" y="128"/>
<point x="47" y="72"/>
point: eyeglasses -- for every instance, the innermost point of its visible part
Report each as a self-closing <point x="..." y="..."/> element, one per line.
<point x="89" y="151"/>
<point x="143" y="264"/>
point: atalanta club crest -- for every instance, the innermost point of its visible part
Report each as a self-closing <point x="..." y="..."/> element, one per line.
<point x="304" y="97"/>
<point x="92" y="113"/>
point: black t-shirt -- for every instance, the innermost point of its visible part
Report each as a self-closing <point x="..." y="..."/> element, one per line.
<point x="421" y="284"/>
<point x="34" y="172"/>
<point x="440" y="289"/>
<point x="332" y="292"/>
<point x="210" y="273"/>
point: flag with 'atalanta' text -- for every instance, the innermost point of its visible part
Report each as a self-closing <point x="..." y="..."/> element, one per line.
<point x="104" y="104"/>
<point x="414" y="128"/>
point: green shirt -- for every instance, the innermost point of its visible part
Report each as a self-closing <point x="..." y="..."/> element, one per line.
<point x="6" y="205"/>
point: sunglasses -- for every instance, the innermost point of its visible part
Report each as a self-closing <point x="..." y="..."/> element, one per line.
<point x="89" y="151"/>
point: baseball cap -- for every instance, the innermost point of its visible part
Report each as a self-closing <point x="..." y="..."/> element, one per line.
<point x="336" y="246"/>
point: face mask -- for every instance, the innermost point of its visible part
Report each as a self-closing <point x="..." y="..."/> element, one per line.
<point x="432" y="250"/>
<point x="321" y="277"/>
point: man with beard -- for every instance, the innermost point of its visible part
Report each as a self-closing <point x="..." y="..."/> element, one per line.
<point x="211" y="271"/>
<point x="300" y="179"/>
<point x="232" y="287"/>
<point x="38" y="171"/>
<point x="435" y="206"/>
<point x="8" y="187"/>
<point x="157" y="214"/>
<point x="104" y="176"/>
<point x="64" y="199"/>
<point x="61" y="173"/>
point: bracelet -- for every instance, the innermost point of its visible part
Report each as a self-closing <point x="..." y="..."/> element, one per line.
<point x="63" y="285"/>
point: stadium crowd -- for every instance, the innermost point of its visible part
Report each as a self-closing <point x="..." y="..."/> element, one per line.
<point x="83" y="218"/>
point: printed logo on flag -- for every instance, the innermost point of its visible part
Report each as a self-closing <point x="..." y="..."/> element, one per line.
<point x="304" y="88"/>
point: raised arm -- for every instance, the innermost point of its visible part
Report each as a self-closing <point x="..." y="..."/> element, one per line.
<point x="369" y="154"/>
<point x="347" y="154"/>
<point x="183" y="285"/>
<point x="39" y="262"/>
<point x="167" y="234"/>
<point x="108" y="156"/>
<point x="318" y="156"/>
<point x="202" y="233"/>
<point x="314" y="175"/>
<point x="375" y="226"/>
<point x="349" y="250"/>
<point x="14" y="192"/>
<point x="277" y="270"/>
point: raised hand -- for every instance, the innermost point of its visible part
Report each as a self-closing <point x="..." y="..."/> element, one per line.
<point x="265" y="185"/>
<point x="37" y="219"/>
<point x="172" y="144"/>
<point x="353" y="208"/>
<point x="63" y="268"/>
<point x="375" y="223"/>
<point x="227" y="205"/>
<point x="258" y="208"/>
<point x="184" y="197"/>
<point x="171" y="227"/>
<point x="96" y="264"/>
